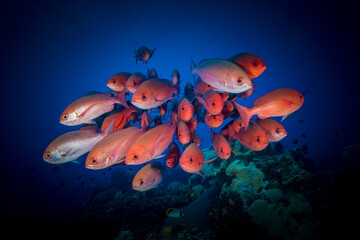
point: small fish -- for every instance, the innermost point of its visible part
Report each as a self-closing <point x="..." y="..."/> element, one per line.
<point x="214" y="121"/>
<point x="134" y="81"/>
<point x="183" y="132"/>
<point x="71" y="145"/>
<point x="223" y="75"/>
<point x="173" y="155"/>
<point x="232" y="128"/>
<point x="202" y="87"/>
<point x="119" y="118"/>
<point x="228" y="109"/>
<point x="163" y="109"/>
<point x="148" y="177"/>
<point x="150" y="145"/>
<point x="185" y="110"/>
<point x="152" y="73"/>
<point x="87" y="108"/>
<point x="143" y="54"/>
<point x="192" y="159"/>
<point x="118" y="81"/>
<point x="153" y="93"/>
<point x="112" y="149"/>
<point x="173" y="212"/>
<point x="221" y="145"/>
<point x="253" y="65"/>
<point x="176" y="79"/>
<point x="145" y="121"/>
<point x="279" y="102"/>
<point x="192" y="124"/>
<point x="195" y="139"/>
<point x="212" y="102"/>
<point x="253" y="137"/>
<point x="273" y="129"/>
<point x="247" y="93"/>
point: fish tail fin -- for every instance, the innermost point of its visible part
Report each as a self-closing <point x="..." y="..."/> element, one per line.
<point x="245" y="114"/>
<point x="121" y="98"/>
<point x="201" y="100"/>
<point x="109" y="129"/>
<point x="211" y="160"/>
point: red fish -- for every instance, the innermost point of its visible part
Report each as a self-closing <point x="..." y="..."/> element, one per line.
<point x="152" y="73"/>
<point x="185" y="110"/>
<point x="232" y="128"/>
<point x="202" y="87"/>
<point x="279" y="102"/>
<point x="112" y="149"/>
<point x="195" y="139"/>
<point x="143" y="54"/>
<point x="71" y="145"/>
<point x="214" y="121"/>
<point x="152" y="93"/>
<point x="212" y="102"/>
<point x="221" y="145"/>
<point x="225" y="96"/>
<point x="163" y="109"/>
<point x="173" y="155"/>
<point x="183" y="132"/>
<point x="250" y="63"/>
<point x="176" y="80"/>
<point x="150" y="145"/>
<point x="223" y="75"/>
<point x="86" y="108"/>
<point x="145" y="121"/>
<point x="192" y="124"/>
<point x="253" y="138"/>
<point x="148" y="177"/>
<point x="228" y="109"/>
<point x="247" y="93"/>
<point x="134" y="81"/>
<point x="117" y="82"/>
<point x="273" y="129"/>
<point x="121" y="118"/>
<point x="192" y="159"/>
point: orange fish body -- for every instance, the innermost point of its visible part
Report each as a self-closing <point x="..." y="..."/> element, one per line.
<point x="143" y="54"/>
<point x="214" y="121"/>
<point x="221" y="145"/>
<point x="145" y="121"/>
<point x="250" y="63"/>
<point x="202" y="87"/>
<point x="185" y="110"/>
<point x="192" y="124"/>
<point x="183" y="132"/>
<point x="228" y="109"/>
<point x="195" y="139"/>
<point x="212" y="102"/>
<point x="148" y="177"/>
<point x="121" y="118"/>
<point x="192" y="159"/>
<point x="273" y="129"/>
<point x="112" y="149"/>
<point x="232" y="129"/>
<point x="163" y="109"/>
<point x="150" y="145"/>
<point x="247" y="93"/>
<point x="253" y="137"/>
<point x="134" y="81"/>
<point x="71" y="145"/>
<point x="152" y="93"/>
<point x="173" y="155"/>
<point x="118" y="81"/>
<point x="86" y="108"/>
<point x="279" y="102"/>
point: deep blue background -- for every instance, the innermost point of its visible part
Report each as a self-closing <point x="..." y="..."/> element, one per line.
<point x="52" y="52"/>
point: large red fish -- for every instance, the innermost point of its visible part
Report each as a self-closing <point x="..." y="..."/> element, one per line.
<point x="192" y="159"/>
<point x="273" y="129"/>
<point x="118" y="81"/>
<point x="250" y="63"/>
<point x="212" y="102"/>
<point x="112" y="149"/>
<point x="150" y="145"/>
<point x="87" y="108"/>
<point x="71" y="145"/>
<point x="221" y="145"/>
<point x="185" y="110"/>
<point x="223" y="75"/>
<point x="120" y="119"/>
<point x="152" y="93"/>
<point x="173" y="155"/>
<point x="148" y="177"/>
<point x="279" y="102"/>
<point x="183" y="132"/>
<point x="253" y="137"/>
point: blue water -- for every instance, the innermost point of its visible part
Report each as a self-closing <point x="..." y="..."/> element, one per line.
<point x="53" y="52"/>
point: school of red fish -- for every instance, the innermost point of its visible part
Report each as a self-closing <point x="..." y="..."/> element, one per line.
<point x="213" y="98"/>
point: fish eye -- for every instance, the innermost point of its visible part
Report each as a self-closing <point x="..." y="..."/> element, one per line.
<point x="47" y="155"/>
<point x="301" y="96"/>
<point x="65" y="116"/>
<point x="221" y="150"/>
<point x="209" y="85"/>
<point x="182" y="108"/>
<point x="135" y="156"/>
<point x="277" y="130"/>
<point x="213" y="104"/>
<point x="144" y="97"/>
<point x="191" y="160"/>
<point x="114" y="80"/>
<point x="214" y="117"/>
<point x="255" y="63"/>
<point x="134" y="83"/>
<point x="240" y="125"/>
<point x="93" y="160"/>
<point x="239" y="80"/>
<point x="258" y="139"/>
<point x="141" y="181"/>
